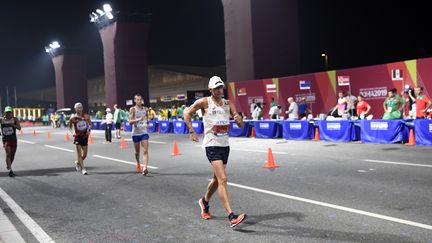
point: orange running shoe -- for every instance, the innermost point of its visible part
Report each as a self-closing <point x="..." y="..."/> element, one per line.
<point x="236" y="219"/>
<point x="138" y="168"/>
<point x="205" y="212"/>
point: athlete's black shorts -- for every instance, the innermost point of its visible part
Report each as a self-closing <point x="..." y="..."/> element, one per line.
<point x="218" y="153"/>
<point x="83" y="141"/>
<point x="117" y="125"/>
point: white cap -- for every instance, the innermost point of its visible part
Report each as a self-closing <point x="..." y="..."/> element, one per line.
<point x="215" y="82"/>
<point x="108" y="110"/>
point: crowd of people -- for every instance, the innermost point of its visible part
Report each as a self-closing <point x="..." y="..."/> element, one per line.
<point x="411" y="104"/>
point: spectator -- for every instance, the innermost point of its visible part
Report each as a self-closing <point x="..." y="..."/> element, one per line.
<point x="363" y="107"/>
<point x="108" y="121"/>
<point x="98" y="115"/>
<point x="272" y="103"/>
<point x="351" y="104"/>
<point x="274" y="112"/>
<point x="392" y="106"/>
<point x="342" y="105"/>
<point x="174" y="112"/>
<point x="252" y="106"/>
<point x="257" y="112"/>
<point x="412" y="102"/>
<point x="117" y="121"/>
<point x="423" y="103"/>
<point x="180" y="112"/>
<point x="152" y="114"/>
<point x="292" y="111"/>
<point x="303" y="109"/>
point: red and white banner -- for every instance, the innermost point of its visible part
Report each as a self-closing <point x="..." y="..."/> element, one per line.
<point x="271" y="88"/>
<point x="343" y="80"/>
<point x="374" y="93"/>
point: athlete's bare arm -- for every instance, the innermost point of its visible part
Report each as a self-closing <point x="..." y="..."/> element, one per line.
<point x="235" y="116"/>
<point x="199" y="104"/>
<point x="17" y="124"/>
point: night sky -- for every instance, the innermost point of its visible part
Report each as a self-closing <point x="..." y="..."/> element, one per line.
<point x="191" y="32"/>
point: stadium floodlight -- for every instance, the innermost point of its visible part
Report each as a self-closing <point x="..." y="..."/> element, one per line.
<point x="107" y="8"/>
<point x="103" y="17"/>
<point x="53" y="48"/>
<point x="109" y="15"/>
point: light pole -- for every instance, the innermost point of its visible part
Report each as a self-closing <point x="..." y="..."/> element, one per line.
<point x="326" y="60"/>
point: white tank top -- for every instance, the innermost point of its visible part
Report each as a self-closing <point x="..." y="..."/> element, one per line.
<point x="140" y="127"/>
<point x="216" y="124"/>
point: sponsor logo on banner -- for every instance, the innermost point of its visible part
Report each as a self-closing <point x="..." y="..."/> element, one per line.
<point x="199" y="95"/>
<point x="397" y="75"/>
<point x="343" y="80"/>
<point x="271" y="88"/>
<point x="264" y="125"/>
<point x="379" y="126"/>
<point x="164" y="124"/>
<point x="235" y="126"/>
<point x="153" y="100"/>
<point x="166" y="98"/>
<point x="334" y="126"/>
<point x="129" y="102"/>
<point x="305" y="84"/>
<point x="257" y="99"/>
<point x="430" y="128"/>
<point x="295" y="126"/>
<point x="309" y="97"/>
<point x="178" y="124"/>
<point x="150" y="124"/>
<point x="374" y="93"/>
<point x="241" y="91"/>
<point x="181" y="97"/>
<point x="194" y="125"/>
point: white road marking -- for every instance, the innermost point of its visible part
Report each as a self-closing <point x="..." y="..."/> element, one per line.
<point x="250" y="150"/>
<point x="31" y="225"/>
<point x="122" y="161"/>
<point x="25" y="141"/>
<point x="396" y="163"/>
<point x="361" y="171"/>
<point x="62" y="149"/>
<point x="342" y="208"/>
<point x="8" y="232"/>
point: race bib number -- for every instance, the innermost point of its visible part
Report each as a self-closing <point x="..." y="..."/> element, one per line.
<point x="221" y="128"/>
<point x="389" y="109"/>
<point x="81" y="126"/>
<point x="141" y="124"/>
<point x="7" y="131"/>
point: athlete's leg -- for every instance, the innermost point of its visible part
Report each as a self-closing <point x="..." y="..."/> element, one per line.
<point x="144" y="145"/>
<point x="84" y="154"/>
<point x="13" y="151"/>
<point x="211" y="188"/>
<point x="219" y="171"/>
<point x="8" y="157"/>
<point x="79" y="155"/>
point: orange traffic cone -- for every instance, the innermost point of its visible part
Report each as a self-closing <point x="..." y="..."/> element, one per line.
<point x="317" y="136"/>
<point x="123" y="143"/>
<point x="34" y="133"/>
<point x="270" y="163"/>
<point x="253" y="132"/>
<point x="411" y="140"/>
<point x="175" y="151"/>
<point x="49" y="135"/>
<point x="67" y="136"/>
<point x="90" y="139"/>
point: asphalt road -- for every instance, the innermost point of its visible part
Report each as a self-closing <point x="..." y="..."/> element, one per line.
<point x="322" y="192"/>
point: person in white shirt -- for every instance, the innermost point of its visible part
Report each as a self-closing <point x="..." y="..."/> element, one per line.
<point x="274" y="112"/>
<point x="252" y="107"/>
<point x="292" y="111"/>
<point x="108" y="128"/>
<point x="256" y="114"/>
